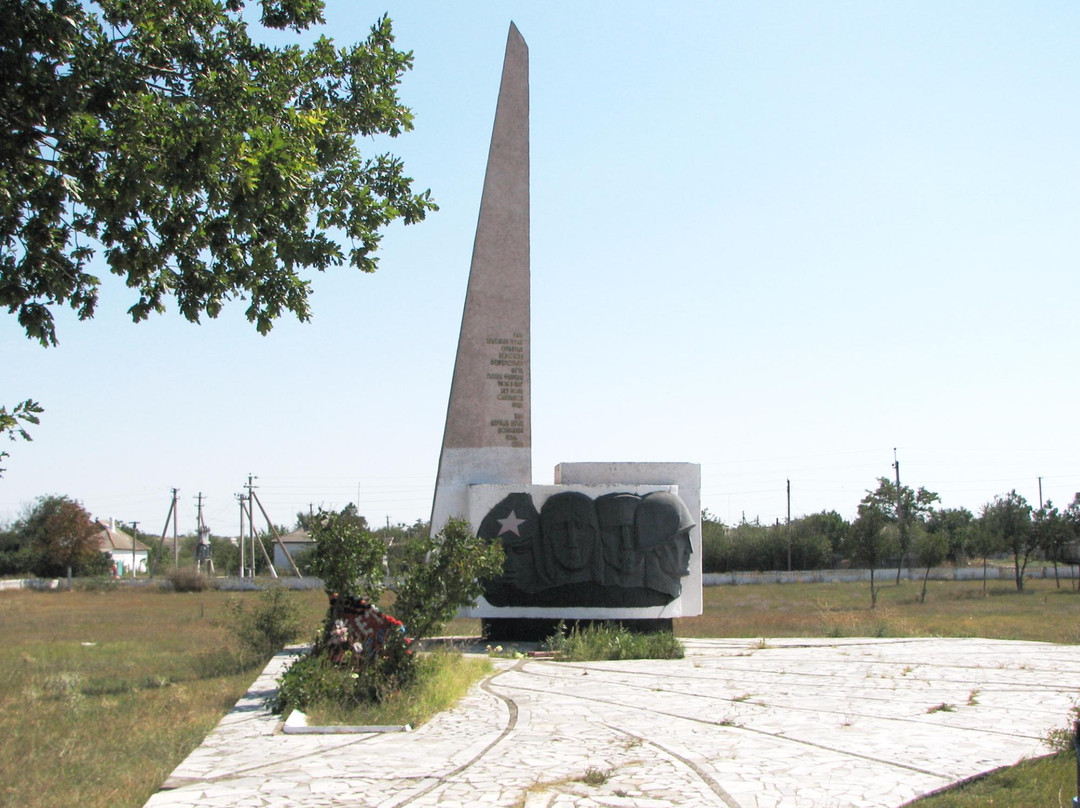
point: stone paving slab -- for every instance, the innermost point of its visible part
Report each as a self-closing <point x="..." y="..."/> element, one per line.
<point x="867" y="723"/>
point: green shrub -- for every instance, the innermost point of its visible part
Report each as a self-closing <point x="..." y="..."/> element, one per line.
<point x="1064" y="739"/>
<point x="347" y="556"/>
<point x="188" y="579"/>
<point x="443" y="574"/>
<point x="265" y="628"/>
<point x="598" y="641"/>
<point x="328" y="694"/>
<point x="362" y="657"/>
<point x="315" y="679"/>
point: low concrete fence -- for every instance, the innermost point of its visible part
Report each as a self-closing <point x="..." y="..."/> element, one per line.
<point x="994" y="573"/>
<point x="227" y="584"/>
<point x="243" y="584"/>
<point x="33" y="583"/>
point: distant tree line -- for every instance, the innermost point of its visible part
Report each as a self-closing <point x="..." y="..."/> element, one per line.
<point x="55" y="533"/>
<point x="897" y="526"/>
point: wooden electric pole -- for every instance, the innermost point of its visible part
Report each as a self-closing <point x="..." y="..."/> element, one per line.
<point x="134" y="538"/>
<point x="901" y="522"/>
<point x="789" y="525"/>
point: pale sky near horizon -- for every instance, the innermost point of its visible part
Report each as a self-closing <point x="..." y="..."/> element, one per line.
<point x="776" y="239"/>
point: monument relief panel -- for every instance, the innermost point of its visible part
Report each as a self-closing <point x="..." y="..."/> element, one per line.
<point x="618" y="550"/>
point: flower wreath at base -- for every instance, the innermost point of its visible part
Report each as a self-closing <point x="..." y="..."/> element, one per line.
<point x="361" y="633"/>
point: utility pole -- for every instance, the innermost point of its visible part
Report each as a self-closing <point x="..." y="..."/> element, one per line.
<point x="789" y="525"/>
<point x="134" y="538"/>
<point x="202" y="551"/>
<point x="1040" y="494"/>
<point x="240" y="500"/>
<point x="175" y="544"/>
<point x="277" y="537"/>
<point x="251" y="519"/>
<point x="899" y="517"/>
<point x="152" y="563"/>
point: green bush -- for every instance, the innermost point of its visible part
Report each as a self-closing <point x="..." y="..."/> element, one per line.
<point x="347" y="556"/>
<point x="362" y="656"/>
<point x="265" y="628"/>
<point x="599" y="641"/>
<point x="315" y="679"/>
<point x="328" y="695"/>
<point x="188" y="579"/>
<point x="442" y="574"/>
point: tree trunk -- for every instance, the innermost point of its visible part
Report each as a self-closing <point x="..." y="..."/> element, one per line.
<point x="873" y="591"/>
<point x="922" y="597"/>
<point x="1019" y="572"/>
<point x="984" y="576"/>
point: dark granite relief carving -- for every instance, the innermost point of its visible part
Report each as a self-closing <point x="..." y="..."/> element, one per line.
<point x="619" y="550"/>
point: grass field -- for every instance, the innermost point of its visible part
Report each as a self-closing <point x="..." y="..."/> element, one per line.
<point x="952" y="609"/>
<point x="102" y="694"/>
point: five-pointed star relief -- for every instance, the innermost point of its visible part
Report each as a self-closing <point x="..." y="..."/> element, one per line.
<point x="510" y="524"/>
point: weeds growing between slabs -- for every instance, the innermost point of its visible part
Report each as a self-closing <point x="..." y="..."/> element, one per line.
<point x="604" y="641"/>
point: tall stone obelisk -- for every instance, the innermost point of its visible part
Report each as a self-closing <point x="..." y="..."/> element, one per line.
<point x="488" y="434"/>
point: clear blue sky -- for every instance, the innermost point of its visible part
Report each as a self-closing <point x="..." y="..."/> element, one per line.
<point x="776" y="239"/>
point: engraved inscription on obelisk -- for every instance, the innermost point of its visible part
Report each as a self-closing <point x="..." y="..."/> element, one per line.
<point x="488" y="434"/>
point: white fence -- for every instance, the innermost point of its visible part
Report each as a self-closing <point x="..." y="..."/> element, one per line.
<point x="993" y="573"/>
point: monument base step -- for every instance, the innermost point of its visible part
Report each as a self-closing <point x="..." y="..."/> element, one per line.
<point x="538" y="629"/>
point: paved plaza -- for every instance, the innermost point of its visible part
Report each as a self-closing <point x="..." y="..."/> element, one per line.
<point x="737" y="723"/>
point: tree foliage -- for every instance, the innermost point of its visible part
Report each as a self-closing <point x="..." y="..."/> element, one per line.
<point x="1008" y="520"/>
<point x="60" y="535"/>
<point x="931" y="548"/>
<point x="750" y="546"/>
<point x="201" y="164"/>
<point x="444" y="573"/>
<point x="956" y="526"/>
<point x="13" y="423"/>
<point x="1071" y="550"/>
<point x="1051" y="533"/>
<point x="904" y="507"/>
<point x="869" y="542"/>
<point x="348" y="557"/>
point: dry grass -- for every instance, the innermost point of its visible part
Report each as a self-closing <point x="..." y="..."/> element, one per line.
<point x="103" y="694"/>
<point x="952" y="609"/>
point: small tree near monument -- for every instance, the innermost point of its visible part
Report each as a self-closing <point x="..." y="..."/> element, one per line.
<point x="1008" y="519"/>
<point x="904" y="507"/>
<point x="931" y="549"/>
<point x="870" y="541"/>
<point x="1052" y="533"/>
<point x="444" y="573"/>
<point x="364" y="655"/>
